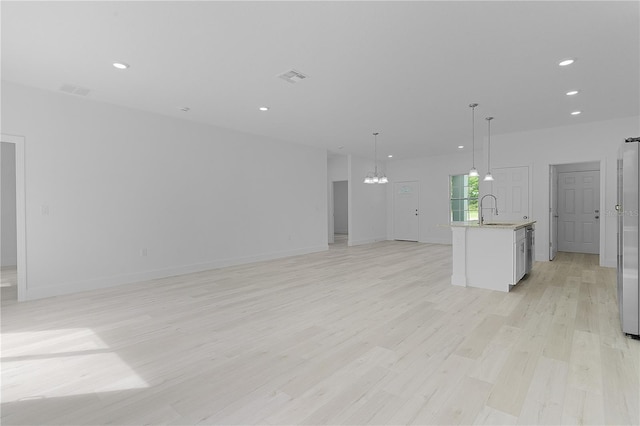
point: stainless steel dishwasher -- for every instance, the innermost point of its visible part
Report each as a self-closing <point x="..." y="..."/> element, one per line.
<point x="530" y="245"/>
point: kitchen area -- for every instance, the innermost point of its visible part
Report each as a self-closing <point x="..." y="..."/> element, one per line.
<point x="493" y="237"/>
<point x="493" y="256"/>
<point x="497" y="254"/>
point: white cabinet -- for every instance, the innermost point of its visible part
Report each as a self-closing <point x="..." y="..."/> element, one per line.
<point x="491" y="256"/>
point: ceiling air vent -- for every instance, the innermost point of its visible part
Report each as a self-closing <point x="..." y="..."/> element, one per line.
<point x="292" y="76"/>
<point x="74" y="90"/>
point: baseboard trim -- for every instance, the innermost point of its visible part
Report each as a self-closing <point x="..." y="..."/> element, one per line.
<point x="112" y="281"/>
<point x="445" y="241"/>
<point x="367" y="241"/>
<point x="459" y="280"/>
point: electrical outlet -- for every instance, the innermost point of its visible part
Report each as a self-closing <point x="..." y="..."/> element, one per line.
<point x="143" y="252"/>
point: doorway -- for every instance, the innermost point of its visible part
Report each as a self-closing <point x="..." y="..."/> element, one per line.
<point x="12" y="205"/>
<point x="406" y="222"/>
<point x="575" y="214"/>
<point x="8" y="228"/>
<point x="341" y="212"/>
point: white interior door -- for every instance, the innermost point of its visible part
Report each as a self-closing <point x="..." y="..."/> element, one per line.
<point x="511" y="188"/>
<point x="406" y="225"/>
<point x="553" y="212"/>
<point x="578" y="212"/>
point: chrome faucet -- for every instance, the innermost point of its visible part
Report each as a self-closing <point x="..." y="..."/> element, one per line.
<point x="481" y="222"/>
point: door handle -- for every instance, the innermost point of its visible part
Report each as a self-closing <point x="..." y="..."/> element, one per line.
<point x="525" y="217"/>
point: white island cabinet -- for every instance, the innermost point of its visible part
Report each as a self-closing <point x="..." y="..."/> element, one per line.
<point x="491" y="256"/>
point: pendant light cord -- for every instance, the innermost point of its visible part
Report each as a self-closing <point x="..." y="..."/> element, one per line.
<point x="489" y="143"/>
<point x="473" y="135"/>
<point x="375" y="152"/>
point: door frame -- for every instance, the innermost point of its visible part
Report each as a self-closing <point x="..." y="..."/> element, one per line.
<point x="330" y="224"/>
<point x="21" y="212"/>
<point x="393" y="210"/>
<point x="553" y="193"/>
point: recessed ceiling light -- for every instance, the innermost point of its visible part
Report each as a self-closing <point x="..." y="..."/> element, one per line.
<point x="185" y="109"/>
<point x="121" y="65"/>
<point x="566" y="62"/>
<point x="263" y="109"/>
<point x="460" y="146"/>
<point x="390" y="156"/>
<point x="572" y="92"/>
<point x="576" y="112"/>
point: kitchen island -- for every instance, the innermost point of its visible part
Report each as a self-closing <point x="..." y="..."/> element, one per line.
<point x="491" y="255"/>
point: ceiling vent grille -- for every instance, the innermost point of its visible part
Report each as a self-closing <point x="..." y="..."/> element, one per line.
<point x="74" y="90"/>
<point x="292" y="76"/>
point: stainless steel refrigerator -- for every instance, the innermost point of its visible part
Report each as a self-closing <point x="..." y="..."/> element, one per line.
<point x="628" y="255"/>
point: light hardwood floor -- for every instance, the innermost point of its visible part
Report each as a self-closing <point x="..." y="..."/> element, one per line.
<point x="363" y="335"/>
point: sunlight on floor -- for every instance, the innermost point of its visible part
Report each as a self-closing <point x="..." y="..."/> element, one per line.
<point x="55" y="363"/>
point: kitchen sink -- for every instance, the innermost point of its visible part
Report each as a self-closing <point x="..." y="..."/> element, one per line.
<point x="499" y="224"/>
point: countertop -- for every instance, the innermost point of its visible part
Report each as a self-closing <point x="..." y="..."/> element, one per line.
<point x="492" y="225"/>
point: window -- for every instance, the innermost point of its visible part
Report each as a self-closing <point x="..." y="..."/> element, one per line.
<point x="463" y="198"/>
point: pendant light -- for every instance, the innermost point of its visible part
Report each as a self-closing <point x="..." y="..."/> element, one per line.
<point x="473" y="172"/>
<point x="375" y="177"/>
<point x="488" y="177"/>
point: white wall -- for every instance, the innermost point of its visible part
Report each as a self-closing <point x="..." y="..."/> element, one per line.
<point x="432" y="174"/>
<point x="341" y="206"/>
<point x="367" y="205"/>
<point x="104" y="182"/>
<point x="598" y="141"/>
<point x="337" y="168"/>
<point x="8" y="246"/>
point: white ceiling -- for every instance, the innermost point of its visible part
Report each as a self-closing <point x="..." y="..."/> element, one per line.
<point x="405" y="69"/>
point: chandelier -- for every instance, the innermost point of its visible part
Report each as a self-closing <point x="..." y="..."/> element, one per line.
<point x="375" y="176"/>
